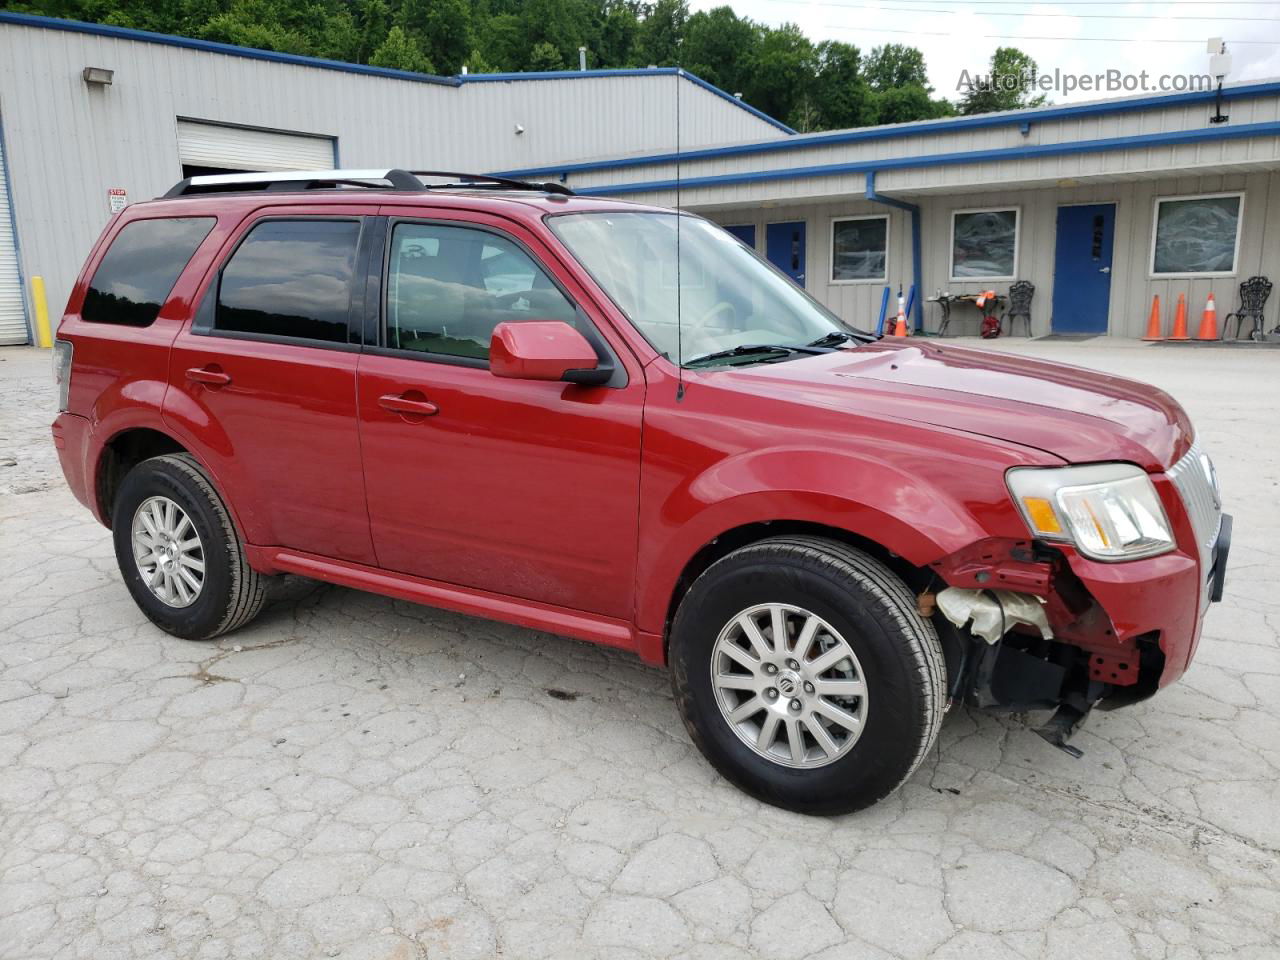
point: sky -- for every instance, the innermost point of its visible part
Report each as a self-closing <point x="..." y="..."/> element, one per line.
<point x="960" y="35"/>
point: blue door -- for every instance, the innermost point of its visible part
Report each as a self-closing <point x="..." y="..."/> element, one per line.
<point x="1082" y="268"/>
<point x="784" y="246"/>
<point x="746" y="233"/>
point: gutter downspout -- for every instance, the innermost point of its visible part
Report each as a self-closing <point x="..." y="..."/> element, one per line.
<point x="917" y="308"/>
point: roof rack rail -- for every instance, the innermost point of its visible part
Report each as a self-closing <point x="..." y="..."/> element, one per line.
<point x="473" y="180"/>
<point x="393" y="178"/>
<point x="295" y="180"/>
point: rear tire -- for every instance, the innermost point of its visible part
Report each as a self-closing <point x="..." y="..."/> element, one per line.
<point x="179" y="553"/>
<point x="879" y="706"/>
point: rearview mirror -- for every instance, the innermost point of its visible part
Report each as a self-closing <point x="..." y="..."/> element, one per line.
<point x="543" y="350"/>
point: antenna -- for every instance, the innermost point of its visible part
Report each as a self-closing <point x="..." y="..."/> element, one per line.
<point x="679" y="224"/>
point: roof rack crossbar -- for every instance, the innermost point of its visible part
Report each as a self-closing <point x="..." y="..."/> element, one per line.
<point x="303" y="179"/>
<point x="395" y="178"/>
<point x="482" y="178"/>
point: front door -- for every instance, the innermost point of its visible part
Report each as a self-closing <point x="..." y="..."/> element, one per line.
<point x="1082" y="268"/>
<point x="784" y="246"/>
<point x="517" y="487"/>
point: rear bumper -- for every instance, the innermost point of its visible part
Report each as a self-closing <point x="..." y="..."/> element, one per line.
<point x="71" y="438"/>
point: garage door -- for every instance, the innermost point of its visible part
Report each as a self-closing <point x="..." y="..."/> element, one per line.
<point x="13" y="313"/>
<point x="212" y="146"/>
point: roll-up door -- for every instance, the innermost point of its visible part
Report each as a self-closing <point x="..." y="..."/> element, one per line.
<point x="213" y="146"/>
<point x="13" y="313"/>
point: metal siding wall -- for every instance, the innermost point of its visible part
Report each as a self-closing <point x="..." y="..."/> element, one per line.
<point x="69" y="143"/>
<point x="1131" y="287"/>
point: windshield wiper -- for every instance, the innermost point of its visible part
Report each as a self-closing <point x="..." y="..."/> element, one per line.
<point x="751" y="349"/>
<point x="835" y="338"/>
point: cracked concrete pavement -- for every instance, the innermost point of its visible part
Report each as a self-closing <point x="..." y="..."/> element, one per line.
<point x="357" y="777"/>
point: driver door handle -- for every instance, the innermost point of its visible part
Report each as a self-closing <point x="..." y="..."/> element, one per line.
<point x="211" y="375"/>
<point x="401" y="404"/>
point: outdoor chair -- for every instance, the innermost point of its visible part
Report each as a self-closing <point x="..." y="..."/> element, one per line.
<point x="1020" y="294"/>
<point x="1253" y="300"/>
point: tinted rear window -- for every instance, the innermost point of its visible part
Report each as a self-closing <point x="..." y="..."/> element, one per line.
<point x="133" y="280"/>
<point x="290" y="278"/>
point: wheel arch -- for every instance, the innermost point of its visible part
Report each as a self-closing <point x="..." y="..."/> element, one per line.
<point x="129" y="447"/>
<point x="743" y="535"/>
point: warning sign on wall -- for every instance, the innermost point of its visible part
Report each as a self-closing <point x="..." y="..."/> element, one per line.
<point x="117" y="199"/>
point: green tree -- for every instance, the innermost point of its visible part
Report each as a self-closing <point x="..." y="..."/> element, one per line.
<point x="896" y="65"/>
<point x="658" y="39"/>
<point x="1009" y="86"/>
<point x="717" y="46"/>
<point x="905" y="104"/>
<point x="373" y="19"/>
<point x="441" y="27"/>
<point x="618" y="27"/>
<point x="778" y="69"/>
<point x="401" y="52"/>
<point x="841" y="95"/>
<point x="545" y="56"/>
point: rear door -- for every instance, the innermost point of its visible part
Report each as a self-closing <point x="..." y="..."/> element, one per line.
<point x="516" y="487"/>
<point x="265" y="376"/>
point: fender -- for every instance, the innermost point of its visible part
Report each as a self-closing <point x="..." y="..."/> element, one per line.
<point x="922" y="509"/>
<point x="190" y="424"/>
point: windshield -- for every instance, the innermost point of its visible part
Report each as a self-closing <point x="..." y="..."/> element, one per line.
<point x="724" y="295"/>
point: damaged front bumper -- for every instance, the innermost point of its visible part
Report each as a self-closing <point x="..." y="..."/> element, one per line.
<point x="1035" y="627"/>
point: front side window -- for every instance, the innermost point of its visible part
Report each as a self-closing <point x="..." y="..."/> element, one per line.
<point x="134" y="278"/>
<point x="715" y="295"/>
<point x="1196" y="236"/>
<point x="859" y="249"/>
<point x="984" y="244"/>
<point x="448" y="287"/>
<point x="290" y="278"/>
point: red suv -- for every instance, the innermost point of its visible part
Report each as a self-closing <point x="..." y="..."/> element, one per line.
<point x="615" y="422"/>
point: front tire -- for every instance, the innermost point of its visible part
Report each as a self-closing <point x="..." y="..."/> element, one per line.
<point x="179" y="553"/>
<point x="806" y="676"/>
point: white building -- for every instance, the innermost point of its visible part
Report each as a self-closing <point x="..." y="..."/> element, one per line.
<point x="1099" y="205"/>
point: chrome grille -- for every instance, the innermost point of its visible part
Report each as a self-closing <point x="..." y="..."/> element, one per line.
<point x="1194" y="485"/>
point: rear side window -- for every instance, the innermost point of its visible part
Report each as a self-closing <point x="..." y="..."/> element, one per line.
<point x="133" y="280"/>
<point x="290" y="278"/>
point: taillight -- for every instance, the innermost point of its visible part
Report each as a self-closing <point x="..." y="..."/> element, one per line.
<point x="62" y="350"/>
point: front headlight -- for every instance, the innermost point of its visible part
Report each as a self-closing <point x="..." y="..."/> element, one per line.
<point x="1110" y="511"/>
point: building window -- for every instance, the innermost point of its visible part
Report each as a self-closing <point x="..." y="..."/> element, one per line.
<point x="984" y="244"/>
<point x="860" y="249"/>
<point x="135" y="276"/>
<point x="1196" y="236"/>
<point x="290" y="278"/>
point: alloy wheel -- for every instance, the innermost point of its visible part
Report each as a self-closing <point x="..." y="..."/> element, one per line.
<point x="168" y="552"/>
<point x="789" y="685"/>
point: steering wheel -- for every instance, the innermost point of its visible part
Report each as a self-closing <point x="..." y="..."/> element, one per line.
<point x="698" y="328"/>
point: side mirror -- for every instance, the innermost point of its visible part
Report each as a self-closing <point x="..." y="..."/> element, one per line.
<point x="544" y="350"/>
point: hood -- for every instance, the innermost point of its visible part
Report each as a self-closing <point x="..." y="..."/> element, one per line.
<point x="1078" y="415"/>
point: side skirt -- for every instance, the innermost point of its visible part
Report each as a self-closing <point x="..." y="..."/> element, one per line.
<point x="447" y="596"/>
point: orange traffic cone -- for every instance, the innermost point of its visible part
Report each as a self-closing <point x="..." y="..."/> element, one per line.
<point x="1180" y="320"/>
<point x="1153" y="323"/>
<point x="1209" y="324"/>
<point x="900" y="328"/>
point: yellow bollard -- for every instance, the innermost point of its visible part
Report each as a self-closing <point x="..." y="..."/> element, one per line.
<point x="44" y="338"/>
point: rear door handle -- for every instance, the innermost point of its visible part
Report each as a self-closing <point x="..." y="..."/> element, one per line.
<point x="211" y="375"/>
<point x="404" y="404"/>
